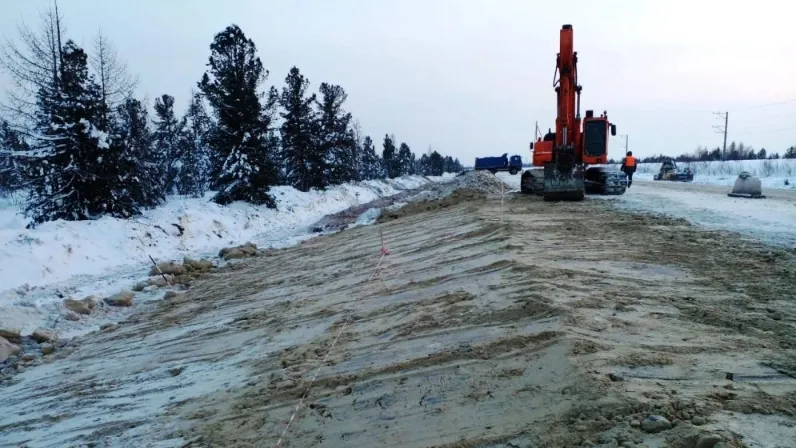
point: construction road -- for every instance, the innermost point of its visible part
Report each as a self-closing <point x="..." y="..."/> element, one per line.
<point x="493" y="322"/>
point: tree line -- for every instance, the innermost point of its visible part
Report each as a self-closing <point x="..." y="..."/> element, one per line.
<point x="81" y="146"/>
<point x="735" y="151"/>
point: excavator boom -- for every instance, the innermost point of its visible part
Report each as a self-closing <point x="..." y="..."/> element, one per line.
<point x="562" y="157"/>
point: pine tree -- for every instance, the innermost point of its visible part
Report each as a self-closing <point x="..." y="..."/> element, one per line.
<point x="448" y="166"/>
<point x="335" y="137"/>
<point x="406" y="160"/>
<point x="194" y="179"/>
<point x="141" y="164"/>
<point x="424" y="165"/>
<point x="168" y="142"/>
<point x="78" y="164"/>
<point x="241" y="142"/>
<point x="303" y="160"/>
<point x="436" y="164"/>
<point x="370" y="162"/>
<point x="392" y="165"/>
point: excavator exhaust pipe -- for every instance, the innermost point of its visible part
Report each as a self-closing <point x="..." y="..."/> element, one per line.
<point x="747" y="186"/>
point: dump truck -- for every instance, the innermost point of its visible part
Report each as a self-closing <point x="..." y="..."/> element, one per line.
<point x="511" y="164"/>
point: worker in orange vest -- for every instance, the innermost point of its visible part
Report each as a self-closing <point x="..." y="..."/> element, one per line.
<point x="629" y="167"/>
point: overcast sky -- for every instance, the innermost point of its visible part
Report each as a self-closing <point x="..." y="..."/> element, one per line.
<point x="471" y="77"/>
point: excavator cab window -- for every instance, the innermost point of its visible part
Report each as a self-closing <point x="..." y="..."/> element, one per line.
<point x="595" y="137"/>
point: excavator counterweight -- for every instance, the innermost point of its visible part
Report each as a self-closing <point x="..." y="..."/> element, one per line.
<point x="561" y="157"/>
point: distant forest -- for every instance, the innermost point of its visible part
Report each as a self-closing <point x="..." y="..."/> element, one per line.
<point x="79" y="145"/>
<point x="735" y="151"/>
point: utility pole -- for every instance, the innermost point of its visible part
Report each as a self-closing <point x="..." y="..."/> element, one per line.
<point x="723" y="130"/>
<point x="626" y="137"/>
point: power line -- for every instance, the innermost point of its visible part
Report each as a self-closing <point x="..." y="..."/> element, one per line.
<point x="765" y="105"/>
<point x="770" y="130"/>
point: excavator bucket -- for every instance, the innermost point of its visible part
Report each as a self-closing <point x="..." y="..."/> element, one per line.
<point x="563" y="186"/>
<point x="746" y="186"/>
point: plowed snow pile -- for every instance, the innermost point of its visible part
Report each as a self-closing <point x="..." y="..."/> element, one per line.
<point x="493" y="322"/>
<point x="481" y="181"/>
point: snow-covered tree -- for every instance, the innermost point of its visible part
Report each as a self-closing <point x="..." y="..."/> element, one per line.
<point x="141" y="165"/>
<point x="370" y="162"/>
<point x="11" y="164"/>
<point x="76" y="174"/>
<point x="194" y="178"/>
<point x="423" y="165"/>
<point x="168" y="142"/>
<point x="406" y="160"/>
<point x="242" y="140"/>
<point x="392" y="166"/>
<point x="436" y="164"/>
<point x="335" y="137"/>
<point x="303" y="160"/>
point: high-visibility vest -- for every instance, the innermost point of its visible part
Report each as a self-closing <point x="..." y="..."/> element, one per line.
<point x="630" y="161"/>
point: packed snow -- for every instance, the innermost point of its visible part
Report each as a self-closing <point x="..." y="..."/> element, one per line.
<point x="704" y="202"/>
<point x="59" y="259"/>
<point x="773" y="173"/>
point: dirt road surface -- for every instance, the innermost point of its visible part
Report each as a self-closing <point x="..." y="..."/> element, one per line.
<point x="493" y="322"/>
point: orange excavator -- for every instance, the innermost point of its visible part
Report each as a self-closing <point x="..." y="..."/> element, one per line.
<point x="560" y="158"/>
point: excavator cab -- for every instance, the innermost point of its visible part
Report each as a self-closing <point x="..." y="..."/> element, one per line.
<point x="595" y="138"/>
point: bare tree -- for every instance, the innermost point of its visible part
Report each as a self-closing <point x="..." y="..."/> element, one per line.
<point x="115" y="82"/>
<point x="32" y="62"/>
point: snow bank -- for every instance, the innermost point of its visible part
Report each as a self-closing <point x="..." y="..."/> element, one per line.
<point x="773" y="173"/>
<point x="60" y="258"/>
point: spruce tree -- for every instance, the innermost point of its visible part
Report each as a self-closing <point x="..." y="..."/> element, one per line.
<point x="303" y="160"/>
<point x="168" y="142"/>
<point x="335" y="138"/>
<point x="141" y="163"/>
<point x="241" y="141"/>
<point x="390" y="157"/>
<point x="436" y="164"/>
<point x="423" y="165"/>
<point x="196" y="154"/>
<point x="406" y="160"/>
<point x="77" y="166"/>
<point x="370" y="162"/>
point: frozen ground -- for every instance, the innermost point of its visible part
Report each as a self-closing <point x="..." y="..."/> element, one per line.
<point x="42" y="266"/>
<point x="771" y="220"/>
<point x="493" y="322"/>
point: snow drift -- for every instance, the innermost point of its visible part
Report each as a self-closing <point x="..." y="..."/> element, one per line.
<point x="41" y="266"/>
<point x="58" y="250"/>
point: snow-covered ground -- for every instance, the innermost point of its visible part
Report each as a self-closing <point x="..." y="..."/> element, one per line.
<point x="773" y="173"/>
<point x="39" y="267"/>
